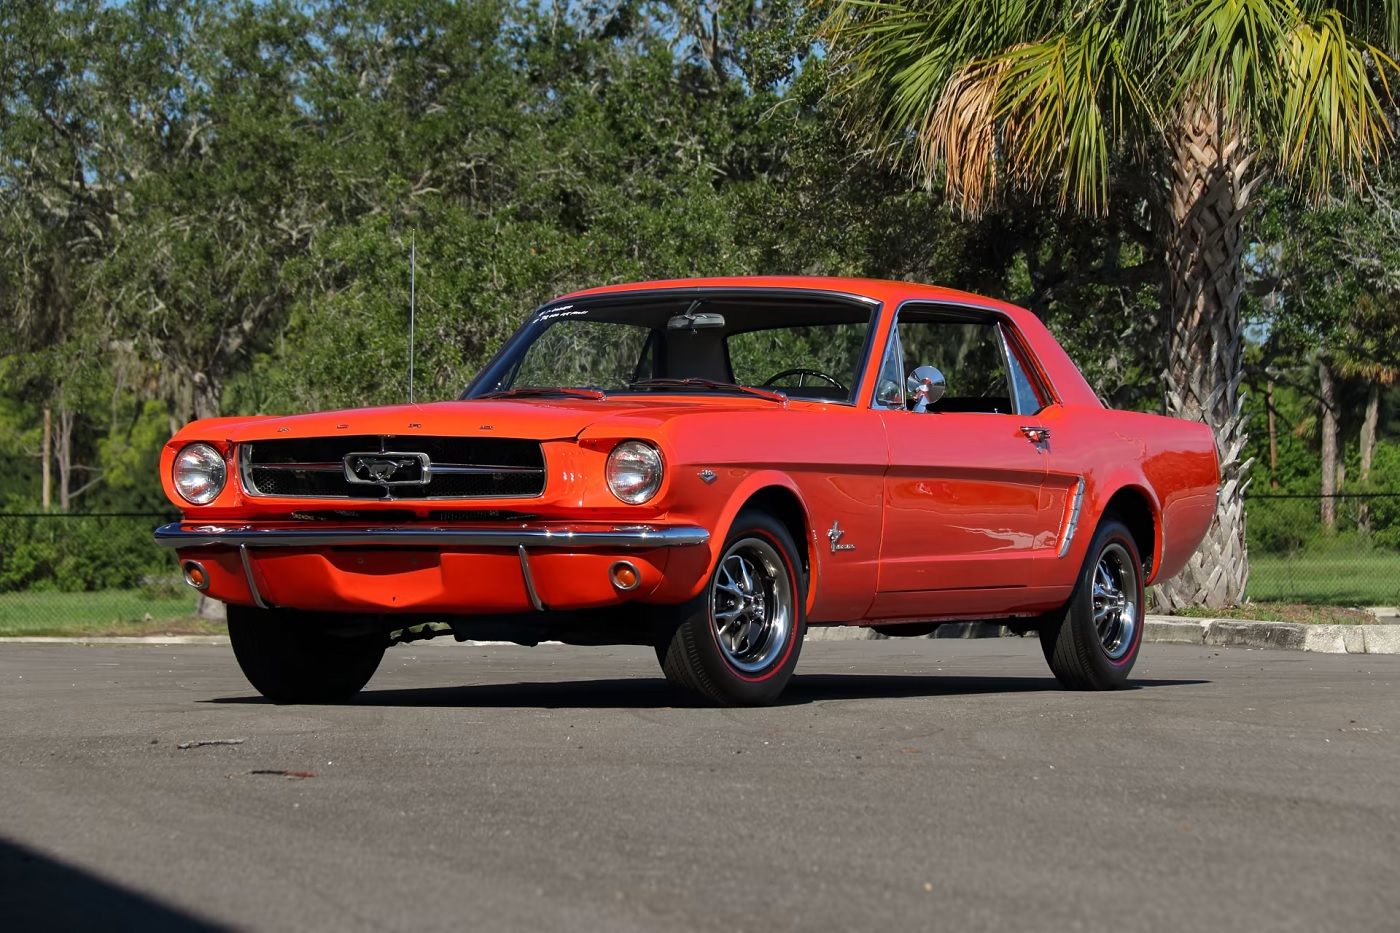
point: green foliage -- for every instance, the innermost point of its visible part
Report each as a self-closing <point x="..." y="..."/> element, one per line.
<point x="1385" y="511"/>
<point x="78" y="553"/>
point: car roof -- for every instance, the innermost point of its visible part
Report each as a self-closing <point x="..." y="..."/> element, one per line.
<point x="883" y="290"/>
<point x="1062" y="373"/>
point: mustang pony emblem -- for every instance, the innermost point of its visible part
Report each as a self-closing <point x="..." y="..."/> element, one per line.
<point x="835" y="535"/>
<point x="387" y="469"/>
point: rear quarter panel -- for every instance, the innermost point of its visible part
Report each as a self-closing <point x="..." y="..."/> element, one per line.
<point x="1170" y="463"/>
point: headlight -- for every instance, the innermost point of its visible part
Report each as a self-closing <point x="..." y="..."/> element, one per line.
<point x="634" y="472"/>
<point x="199" y="474"/>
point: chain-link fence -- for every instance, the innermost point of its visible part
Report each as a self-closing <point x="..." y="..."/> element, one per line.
<point x="90" y="573"/>
<point x="95" y="573"/>
<point x="1301" y="551"/>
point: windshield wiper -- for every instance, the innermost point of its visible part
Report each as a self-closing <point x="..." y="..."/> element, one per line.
<point x="545" y="391"/>
<point x="696" y="383"/>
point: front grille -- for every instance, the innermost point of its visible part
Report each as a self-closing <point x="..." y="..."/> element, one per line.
<point x="453" y="467"/>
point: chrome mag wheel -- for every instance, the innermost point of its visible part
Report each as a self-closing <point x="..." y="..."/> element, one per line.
<point x="751" y="607"/>
<point x="1116" y="611"/>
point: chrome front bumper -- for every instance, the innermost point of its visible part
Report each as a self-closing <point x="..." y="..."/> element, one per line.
<point x="203" y="534"/>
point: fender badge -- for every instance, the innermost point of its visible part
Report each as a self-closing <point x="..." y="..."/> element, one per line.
<point x="706" y="476"/>
<point x="835" y="535"/>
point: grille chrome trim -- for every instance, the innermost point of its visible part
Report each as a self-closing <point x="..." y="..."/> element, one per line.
<point x="317" y="471"/>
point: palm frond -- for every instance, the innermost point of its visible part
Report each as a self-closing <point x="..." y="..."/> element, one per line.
<point x="1333" y="122"/>
<point x="1062" y="103"/>
<point x="1227" y="52"/>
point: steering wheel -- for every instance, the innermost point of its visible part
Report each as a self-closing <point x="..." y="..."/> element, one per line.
<point x="802" y="374"/>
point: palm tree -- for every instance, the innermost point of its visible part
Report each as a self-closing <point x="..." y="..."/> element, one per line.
<point x="1200" y="98"/>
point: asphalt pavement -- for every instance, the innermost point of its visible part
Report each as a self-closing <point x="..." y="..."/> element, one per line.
<point x="910" y="784"/>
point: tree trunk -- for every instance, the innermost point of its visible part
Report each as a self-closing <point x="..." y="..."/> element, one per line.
<point x="1210" y="187"/>
<point x="63" y="452"/>
<point x="46" y="486"/>
<point x="1368" y="452"/>
<point x="1273" y="433"/>
<point x="1327" y="393"/>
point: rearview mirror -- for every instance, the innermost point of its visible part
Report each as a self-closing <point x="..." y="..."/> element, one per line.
<point x="926" y="386"/>
<point x="693" y="320"/>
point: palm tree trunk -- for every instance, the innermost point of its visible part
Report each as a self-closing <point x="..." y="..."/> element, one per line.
<point x="1211" y="183"/>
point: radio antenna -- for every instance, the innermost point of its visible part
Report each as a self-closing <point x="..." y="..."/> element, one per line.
<point x="412" y="304"/>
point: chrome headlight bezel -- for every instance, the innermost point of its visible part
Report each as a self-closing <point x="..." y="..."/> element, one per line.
<point x="196" y="462"/>
<point x="635" y="471"/>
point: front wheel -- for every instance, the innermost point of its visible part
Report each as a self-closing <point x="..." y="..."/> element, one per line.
<point x="1092" y="642"/>
<point x="301" y="657"/>
<point x="738" y="641"/>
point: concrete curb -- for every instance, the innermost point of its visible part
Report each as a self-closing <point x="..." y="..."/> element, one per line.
<point x="1174" y="630"/>
<point x="1294" y="636"/>
<point x="1161" y="630"/>
<point x="116" y="640"/>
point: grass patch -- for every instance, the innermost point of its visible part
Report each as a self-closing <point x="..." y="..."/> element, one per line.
<point x="106" y="612"/>
<point x="1284" y="612"/>
<point x="1342" y="577"/>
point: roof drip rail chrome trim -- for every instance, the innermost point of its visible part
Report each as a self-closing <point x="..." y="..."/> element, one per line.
<point x="192" y="535"/>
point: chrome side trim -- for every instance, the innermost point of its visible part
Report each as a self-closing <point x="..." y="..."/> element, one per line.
<point x="189" y="534"/>
<point x="1073" y="524"/>
<point x="529" y="580"/>
<point x="248" y="573"/>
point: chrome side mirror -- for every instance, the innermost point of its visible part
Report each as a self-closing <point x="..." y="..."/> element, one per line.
<point x="926" y="386"/>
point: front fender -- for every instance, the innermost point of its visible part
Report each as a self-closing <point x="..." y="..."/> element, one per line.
<point x="723" y="522"/>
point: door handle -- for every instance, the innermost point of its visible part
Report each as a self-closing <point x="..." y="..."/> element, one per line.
<point x="1037" y="435"/>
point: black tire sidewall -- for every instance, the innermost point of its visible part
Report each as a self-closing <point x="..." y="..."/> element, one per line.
<point x="1106" y="671"/>
<point x="731" y="684"/>
<point x="293" y="657"/>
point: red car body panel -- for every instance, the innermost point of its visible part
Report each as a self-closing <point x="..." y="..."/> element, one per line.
<point x="950" y="516"/>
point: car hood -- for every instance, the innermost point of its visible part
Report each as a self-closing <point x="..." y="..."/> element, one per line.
<point x="532" y="418"/>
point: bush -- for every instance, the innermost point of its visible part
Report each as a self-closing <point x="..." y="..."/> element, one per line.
<point x="1281" y="526"/>
<point x="75" y="553"/>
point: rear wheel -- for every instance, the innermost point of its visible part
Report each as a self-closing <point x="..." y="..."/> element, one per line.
<point x="1092" y="643"/>
<point x="301" y="657"/>
<point x="738" y="641"/>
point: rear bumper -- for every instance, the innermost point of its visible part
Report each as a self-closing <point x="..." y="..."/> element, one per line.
<point x="439" y="569"/>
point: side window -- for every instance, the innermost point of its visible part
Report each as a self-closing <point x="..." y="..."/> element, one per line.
<point x="889" y="389"/>
<point x="976" y="354"/>
<point x="1023" y="393"/>
<point x="968" y="354"/>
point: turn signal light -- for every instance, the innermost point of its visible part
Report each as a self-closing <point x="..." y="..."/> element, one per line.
<point x="624" y="575"/>
<point x="195" y="574"/>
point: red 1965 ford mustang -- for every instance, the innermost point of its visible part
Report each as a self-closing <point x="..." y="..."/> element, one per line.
<point x="709" y="467"/>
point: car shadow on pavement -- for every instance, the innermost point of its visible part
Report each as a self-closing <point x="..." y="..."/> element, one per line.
<point x="654" y="693"/>
<point x="39" y="892"/>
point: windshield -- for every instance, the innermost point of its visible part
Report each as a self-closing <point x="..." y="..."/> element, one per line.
<point x="805" y="346"/>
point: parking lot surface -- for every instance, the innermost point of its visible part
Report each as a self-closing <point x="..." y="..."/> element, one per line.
<point x="905" y="785"/>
